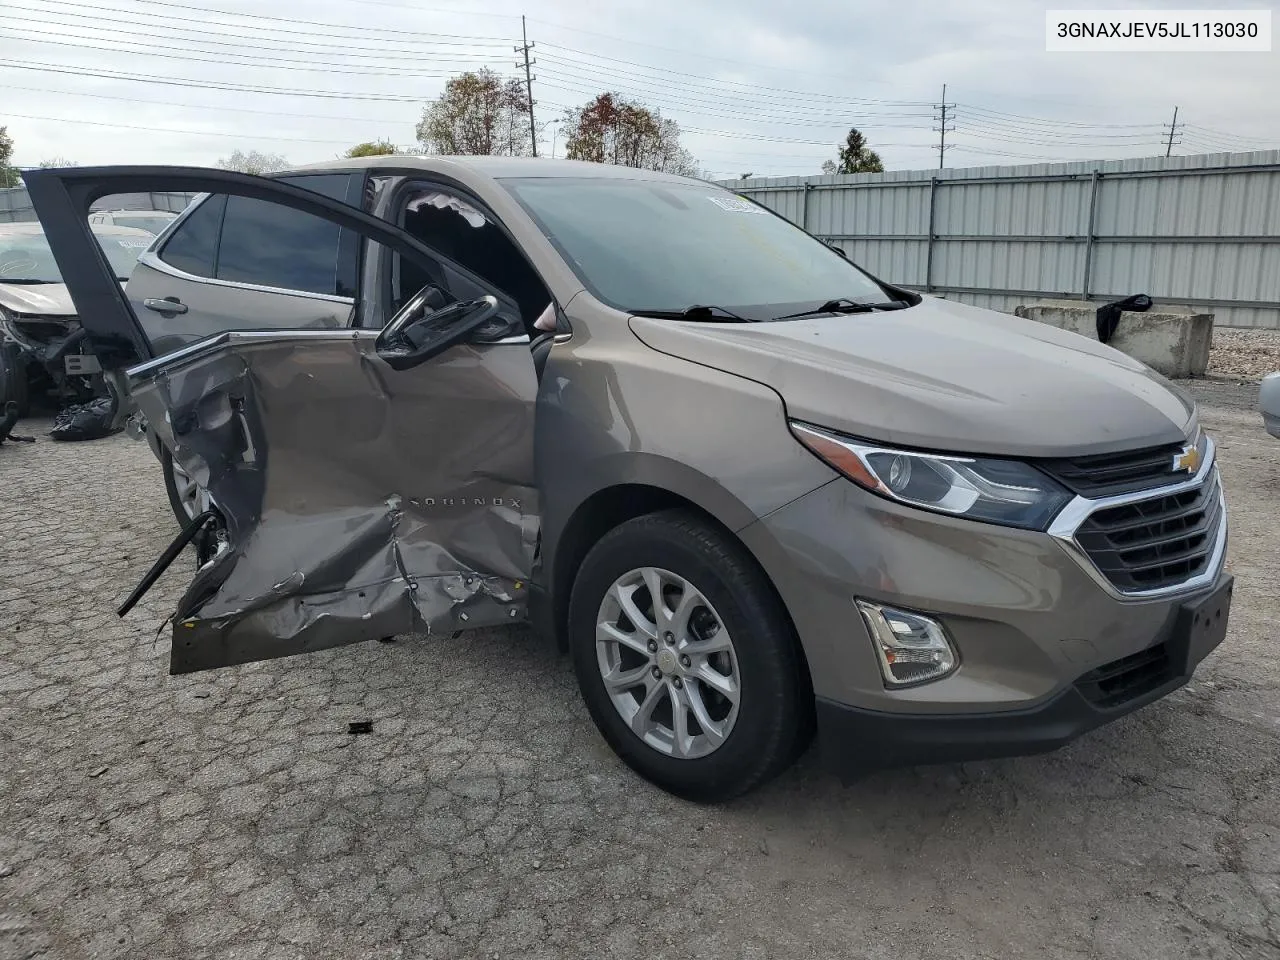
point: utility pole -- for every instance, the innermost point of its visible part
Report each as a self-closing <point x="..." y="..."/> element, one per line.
<point x="942" y="128"/>
<point x="524" y="48"/>
<point x="1173" y="130"/>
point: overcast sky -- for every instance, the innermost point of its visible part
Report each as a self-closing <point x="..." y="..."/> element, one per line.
<point x="758" y="86"/>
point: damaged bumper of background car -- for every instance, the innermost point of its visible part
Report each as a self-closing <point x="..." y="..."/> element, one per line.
<point x="42" y="340"/>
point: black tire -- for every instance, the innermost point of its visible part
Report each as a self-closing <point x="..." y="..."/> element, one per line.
<point x="773" y="720"/>
<point x="171" y="488"/>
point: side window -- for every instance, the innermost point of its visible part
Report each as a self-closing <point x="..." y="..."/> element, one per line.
<point x="464" y="234"/>
<point x="193" y="247"/>
<point x="273" y="246"/>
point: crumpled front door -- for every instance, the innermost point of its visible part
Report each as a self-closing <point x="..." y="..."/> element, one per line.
<point x="353" y="500"/>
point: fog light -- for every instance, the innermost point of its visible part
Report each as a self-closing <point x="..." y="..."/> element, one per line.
<point x="912" y="648"/>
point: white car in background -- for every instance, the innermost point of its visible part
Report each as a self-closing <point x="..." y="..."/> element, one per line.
<point x="152" y="221"/>
<point x="39" y="328"/>
<point x="1269" y="403"/>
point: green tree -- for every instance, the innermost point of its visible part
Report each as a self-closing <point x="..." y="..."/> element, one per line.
<point x="479" y="113"/>
<point x="56" y="162"/>
<point x="372" y="148"/>
<point x="612" y="129"/>
<point x="855" y="156"/>
<point x="8" y="175"/>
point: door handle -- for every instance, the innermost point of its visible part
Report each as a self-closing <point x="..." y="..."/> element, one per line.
<point x="165" y="305"/>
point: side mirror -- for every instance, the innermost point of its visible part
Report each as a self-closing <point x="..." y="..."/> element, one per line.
<point x="417" y="333"/>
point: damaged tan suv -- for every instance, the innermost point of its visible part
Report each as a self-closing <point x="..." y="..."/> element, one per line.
<point x="752" y="489"/>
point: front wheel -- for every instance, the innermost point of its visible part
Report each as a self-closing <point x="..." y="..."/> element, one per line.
<point x="686" y="659"/>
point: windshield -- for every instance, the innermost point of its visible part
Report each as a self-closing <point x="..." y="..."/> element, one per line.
<point x="653" y="245"/>
<point x="28" y="259"/>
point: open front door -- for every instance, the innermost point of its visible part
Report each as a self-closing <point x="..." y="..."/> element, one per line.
<point x="364" y="483"/>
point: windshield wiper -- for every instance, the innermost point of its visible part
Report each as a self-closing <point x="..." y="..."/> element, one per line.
<point x="845" y="305"/>
<point x="25" y="281"/>
<point x="697" y="311"/>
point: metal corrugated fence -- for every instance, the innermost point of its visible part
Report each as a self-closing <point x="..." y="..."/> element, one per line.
<point x="1203" y="231"/>
<point x="15" y="205"/>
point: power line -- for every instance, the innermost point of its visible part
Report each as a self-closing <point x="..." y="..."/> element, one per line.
<point x="698" y="107"/>
<point x="338" y="44"/>
<point x="271" y="53"/>
<point x="204" y="106"/>
<point x="609" y="78"/>
<point x="1231" y="136"/>
<point x="185" y="54"/>
<point x="696" y="54"/>
<point x="312" y="23"/>
<point x="194" y="133"/>
<point x="1049" y="121"/>
<point x="741" y="83"/>
<point x="1013" y="136"/>
<point x="209" y="85"/>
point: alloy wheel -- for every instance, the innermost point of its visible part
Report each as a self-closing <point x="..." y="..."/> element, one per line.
<point x="191" y="495"/>
<point x="668" y="663"/>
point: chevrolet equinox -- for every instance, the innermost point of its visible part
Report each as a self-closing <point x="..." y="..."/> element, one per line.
<point x="753" y="490"/>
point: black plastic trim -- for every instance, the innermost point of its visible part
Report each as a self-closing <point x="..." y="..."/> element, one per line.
<point x="855" y="741"/>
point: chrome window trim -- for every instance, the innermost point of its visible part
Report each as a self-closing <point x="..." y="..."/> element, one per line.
<point x="149" y="368"/>
<point x="1072" y="517"/>
<point x="153" y="261"/>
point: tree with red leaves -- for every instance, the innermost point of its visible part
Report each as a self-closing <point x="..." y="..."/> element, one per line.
<point x="612" y="129"/>
<point x="478" y="114"/>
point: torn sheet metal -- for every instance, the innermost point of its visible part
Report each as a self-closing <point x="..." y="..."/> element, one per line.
<point x="359" y="501"/>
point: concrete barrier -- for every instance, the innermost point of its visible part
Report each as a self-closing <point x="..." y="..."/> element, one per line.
<point x="1170" y="339"/>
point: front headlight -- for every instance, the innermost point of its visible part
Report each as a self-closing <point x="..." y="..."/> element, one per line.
<point x="977" y="488"/>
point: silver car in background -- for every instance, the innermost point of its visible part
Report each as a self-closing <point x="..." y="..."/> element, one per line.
<point x="153" y="221"/>
<point x="1269" y="403"/>
<point x="38" y="321"/>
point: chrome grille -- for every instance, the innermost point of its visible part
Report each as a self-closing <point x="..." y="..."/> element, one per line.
<point x="1115" y="473"/>
<point x="1161" y="541"/>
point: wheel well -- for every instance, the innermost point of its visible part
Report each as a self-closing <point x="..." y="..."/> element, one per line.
<point x="609" y="508"/>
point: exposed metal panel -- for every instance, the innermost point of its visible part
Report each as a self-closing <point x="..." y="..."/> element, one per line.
<point x="1008" y="265"/>
<point x="1026" y="229"/>
<point x="897" y="261"/>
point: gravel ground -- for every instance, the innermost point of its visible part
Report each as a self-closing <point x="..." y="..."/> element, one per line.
<point x="230" y="814"/>
<point x="1244" y="354"/>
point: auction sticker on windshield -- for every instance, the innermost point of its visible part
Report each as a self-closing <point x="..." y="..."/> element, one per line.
<point x="736" y="205"/>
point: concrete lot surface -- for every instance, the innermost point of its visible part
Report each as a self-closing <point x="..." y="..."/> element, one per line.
<point x="231" y="815"/>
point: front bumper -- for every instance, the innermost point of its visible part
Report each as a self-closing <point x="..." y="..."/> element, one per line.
<point x="1033" y="623"/>
<point x="856" y="741"/>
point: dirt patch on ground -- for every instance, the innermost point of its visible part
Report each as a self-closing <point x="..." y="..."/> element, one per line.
<point x="1244" y="354"/>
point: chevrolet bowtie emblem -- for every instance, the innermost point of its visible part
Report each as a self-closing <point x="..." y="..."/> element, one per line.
<point x="1188" y="459"/>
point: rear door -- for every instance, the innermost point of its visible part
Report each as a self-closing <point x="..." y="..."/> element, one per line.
<point x="357" y="492"/>
<point x="236" y="261"/>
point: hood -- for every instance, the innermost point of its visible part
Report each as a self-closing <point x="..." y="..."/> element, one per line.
<point x="944" y="376"/>
<point x="47" y="299"/>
